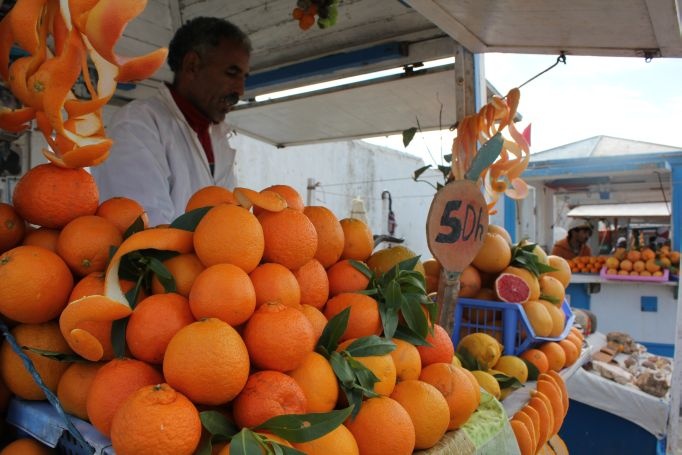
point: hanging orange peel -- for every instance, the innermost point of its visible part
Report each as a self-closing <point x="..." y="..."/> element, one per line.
<point x="503" y="175"/>
<point x="113" y="305"/>
<point x="265" y="199"/>
<point x="82" y="31"/>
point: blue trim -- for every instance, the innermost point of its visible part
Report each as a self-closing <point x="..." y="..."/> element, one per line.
<point x="510" y="217"/>
<point x="648" y="303"/>
<point x="327" y="65"/>
<point x="602" y="165"/>
<point x="580" y="298"/>
<point x="667" y="350"/>
<point x="676" y="207"/>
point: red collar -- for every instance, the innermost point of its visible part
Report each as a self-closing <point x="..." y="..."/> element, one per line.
<point x="194" y="117"/>
<point x="197" y="121"/>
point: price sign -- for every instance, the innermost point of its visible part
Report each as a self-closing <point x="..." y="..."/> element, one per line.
<point x="457" y="222"/>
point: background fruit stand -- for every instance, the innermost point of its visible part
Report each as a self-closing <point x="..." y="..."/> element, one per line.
<point x="427" y="29"/>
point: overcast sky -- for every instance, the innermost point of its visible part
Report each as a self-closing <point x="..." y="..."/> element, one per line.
<point x="588" y="96"/>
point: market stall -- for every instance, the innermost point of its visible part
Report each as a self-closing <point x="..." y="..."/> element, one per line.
<point x="373" y="36"/>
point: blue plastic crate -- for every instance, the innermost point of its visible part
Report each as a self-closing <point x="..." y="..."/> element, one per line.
<point x="39" y="420"/>
<point x="507" y="322"/>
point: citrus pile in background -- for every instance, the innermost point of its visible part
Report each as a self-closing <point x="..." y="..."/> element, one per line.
<point x="645" y="262"/>
<point x="253" y="291"/>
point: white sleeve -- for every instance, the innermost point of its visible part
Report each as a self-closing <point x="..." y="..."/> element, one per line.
<point x="137" y="166"/>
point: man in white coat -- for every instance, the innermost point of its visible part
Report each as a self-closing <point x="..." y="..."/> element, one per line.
<point x="176" y="142"/>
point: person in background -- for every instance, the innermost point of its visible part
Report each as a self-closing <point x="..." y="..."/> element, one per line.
<point x="170" y="145"/>
<point x="575" y="242"/>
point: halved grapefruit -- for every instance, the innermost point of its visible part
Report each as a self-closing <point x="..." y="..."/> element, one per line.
<point x="511" y="288"/>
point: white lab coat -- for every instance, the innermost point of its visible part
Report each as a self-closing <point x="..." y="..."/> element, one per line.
<point x="157" y="159"/>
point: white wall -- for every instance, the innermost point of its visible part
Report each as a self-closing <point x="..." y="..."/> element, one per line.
<point x="344" y="171"/>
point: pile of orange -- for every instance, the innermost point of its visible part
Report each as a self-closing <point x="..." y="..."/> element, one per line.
<point x="644" y="262"/>
<point x="587" y="264"/>
<point x="255" y="289"/>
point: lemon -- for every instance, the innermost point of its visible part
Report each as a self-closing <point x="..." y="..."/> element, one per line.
<point x="488" y="383"/>
<point x="512" y="366"/>
<point x="482" y="347"/>
<point x="382" y="261"/>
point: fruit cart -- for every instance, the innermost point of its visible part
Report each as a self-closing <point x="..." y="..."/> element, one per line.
<point x="368" y="35"/>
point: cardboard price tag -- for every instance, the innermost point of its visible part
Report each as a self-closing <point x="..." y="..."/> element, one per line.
<point x="456" y="224"/>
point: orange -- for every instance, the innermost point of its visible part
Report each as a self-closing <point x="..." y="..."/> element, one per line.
<point x="530" y="279"/>
<point x="278" y="337"/>
<point x="461" y="395"/>
<point x="652" y="266"/>
<point x="223" y="291"/>
<point x="439" y="348"/>
<point x="113" y="383"/>
<point x="539" y="317"/>
<point x="494" y="255"/>
<point x="207" y="361"/>
<point x="184" y="268"/>
<point x="340" y="440"/>
<point x="534" y="416"/>
<point x="51" y="196"/>
<point x="317" y="320"/>
<point x="73" y="387"/>
<point x="275" y="283"/>
<point x="27" y="446"/>
<point x="553" y="393"/>
<point x="559" y="381"/>
<point x="570" y="350"/>
<point x="40" y="336"/>
<point x="469" y="282"/>
<point x="537" y="358"/>
<point x="210" y="196"/>
<point x="330" y="238"/>
<point x="229" y="233"/>
<point x="290" y="238"/>
<point x="84" y="243"/>
<point x="156" y="419"/>
<point x="267" y="394"/>
<point x="34" y="284"/>
<point x="382" y="366"/>
<point x="427" y="408"/>
<point x="573" y="338"/>
<point x="313" y="283"/>
<point x="293" y="197"/>
<point x="523" y="437"/>
<point x="358" y="241"/>
<point x="432" y="267"/>
<point x="343" y="277"/>
<point x="12" y="227"/>
<point x="555" y="355"/>
<point x="154" y="322"/>
<point x="122" y="212"/>
<point x="364" y="319"/>
<point x="633" y="255"/>
<point x="552" y="287"/>
<point x="381" y="261"/>
<point x="526" y="420"/>
<point x="408" y="363"/>
<point x="44" y="237"/>
<point x="382" y="426"/>
<point x="499" y="230"/>
<point x="545" y="418"/>
<point x="316" y="378"/>
<point x="558" y="318"/>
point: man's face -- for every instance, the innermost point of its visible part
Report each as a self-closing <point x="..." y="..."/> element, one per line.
<point x="582" y="234"/>
<point x="218" y="79"/>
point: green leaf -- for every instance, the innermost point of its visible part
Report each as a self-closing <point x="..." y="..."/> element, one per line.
<point x="533" y="371"/>
<point x="136" y="226"/>
<point x="370" y="346"/>
<point x="305" y="427"/>
<point x="362" y="268"/>
<point x="246" y="442"/>
<point x="544" y="268"/>
<point x="408" y="135"/>
<point x="550" y="298"/>
<point x="485" y="156"/>
<point x="205" y="447"/>
<point x="217" y="424"/>
<point x="415" y="318"/>
<point x="163" y="274"/>
<point x="118" y="337"/>
<point x="189" y="221"/>
<point x="366" y="379"/>
<point x="354" y="397"/>
<point x="342" y="370"/>
<point x="389" y="320"/>
<point x="58" y="356"/>
<point x="505" y="381"/>
<point x="420" y="171"/>
<point x="409" y="335"/>
<point x="392" y="295"/>
<point x="409" y="263"/>
<point x="414" y="280"/>
<point x="329" y="340"/>
<point x="468" y="361"/>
